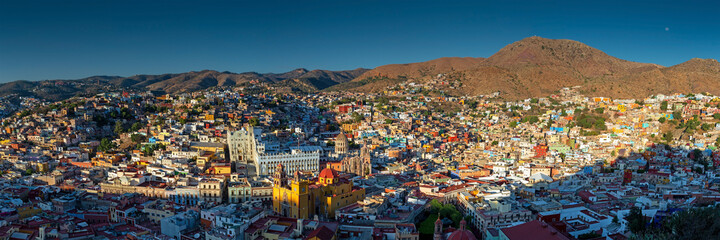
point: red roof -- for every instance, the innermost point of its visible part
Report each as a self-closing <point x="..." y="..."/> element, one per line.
<point x="328" y="173"/>
<point x="322" y="233"/>
<point x="533" y="230"/>
<point x="462" y="233"/>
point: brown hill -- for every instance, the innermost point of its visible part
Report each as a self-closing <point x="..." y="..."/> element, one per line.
<point x="421" y="69"/>
<point x="381" y="77"/>
<point x="536" y="67"/>
<point x="694" y="76"/>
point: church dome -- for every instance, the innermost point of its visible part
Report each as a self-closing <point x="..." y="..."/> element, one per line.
<point x="341" y="137"/>
<point x="328" y="173"/>
<point x="462" y="233"/>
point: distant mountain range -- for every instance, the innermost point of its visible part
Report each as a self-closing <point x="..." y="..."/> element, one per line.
<point x="296" y="80"/>
<point x="532" y="67"/>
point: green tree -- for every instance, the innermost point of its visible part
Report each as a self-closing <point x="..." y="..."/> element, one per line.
<point x="716" y="116"/>
<point x="137" y="138"/>
<point x="677" y="115"/>
<point x="435" y="206"/>
<point x="427" y="227"/>
<point x="135" y="127"/>
<point x="693" y="223"/>
<point x="254" y="121"/>
<point x="119" y="129"/>
<point x="667" y="136"/>
<point x="664" y="105"/>
<point x="513" y="124"/>
<point x="600" y="125"/>
<point x="661" y="120"/>
<point x="636" y="220"/>
<point x="530" y="119"/>
<point x="356" y="117"/>
<point x="599" y="110"/>
<point x="105" y="145"/>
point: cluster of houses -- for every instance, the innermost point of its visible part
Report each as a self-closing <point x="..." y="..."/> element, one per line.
<point x="203" y="165"/>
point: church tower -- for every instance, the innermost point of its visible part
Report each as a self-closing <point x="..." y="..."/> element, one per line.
<point x="280" y="178"/>
<point x="438" y="229"/>
<point x="296" y="176"/>
<point x="365" y="164"/>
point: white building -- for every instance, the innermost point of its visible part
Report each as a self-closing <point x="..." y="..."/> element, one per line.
<point x="306" y="158"/>
<point x="243" y="145"/>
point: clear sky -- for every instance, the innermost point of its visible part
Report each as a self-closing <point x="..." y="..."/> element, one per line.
<point x="74" y="39"/>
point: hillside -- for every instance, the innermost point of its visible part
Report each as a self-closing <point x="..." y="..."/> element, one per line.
<point x="421" y="69"/>
<point x="386" y="75"/>
<point x="296" y="80"/>
<point x="694" y="76"/>
<point x="536" y="67"/>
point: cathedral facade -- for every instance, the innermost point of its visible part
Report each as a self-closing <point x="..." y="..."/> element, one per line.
<point x="359" y="164"/>
<point x="243" y="146"/>
<point x="302" y="198"/>
<point x="353" y="162"/>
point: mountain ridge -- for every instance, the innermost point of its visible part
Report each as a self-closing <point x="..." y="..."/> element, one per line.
<point x="537" y="67"/>
<point x="531" y="67"/>
<point x="59" y="89"/>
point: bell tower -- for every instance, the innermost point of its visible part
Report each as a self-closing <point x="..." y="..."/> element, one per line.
<point x="438" y="229"/>
<point x="365" y="161"/>
<point x="280" y="178"/>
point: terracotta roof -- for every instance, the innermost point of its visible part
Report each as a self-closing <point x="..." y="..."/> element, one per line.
<point x="328" y="173"/>
<point x="322" y="233"/>
<point x="533" y="230"/>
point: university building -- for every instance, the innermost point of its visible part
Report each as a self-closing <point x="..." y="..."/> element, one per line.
<point x="242" y="145"/>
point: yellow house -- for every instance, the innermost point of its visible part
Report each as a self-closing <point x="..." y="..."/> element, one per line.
<point x="621" y="108"/>
<point x="208" y="146"/>
<point x="42" y="167"/>
<point x="28" y="211"/>
<point x="205" y="158"/>
<point x="349" y="127"/>
<point x="219" y="170"/>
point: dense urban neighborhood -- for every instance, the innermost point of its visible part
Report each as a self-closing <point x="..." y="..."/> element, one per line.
<point x="409" y="162"/>
<point x="359" y="120"/>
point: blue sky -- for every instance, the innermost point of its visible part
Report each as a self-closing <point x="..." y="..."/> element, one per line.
<point x="74" y="39"/>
